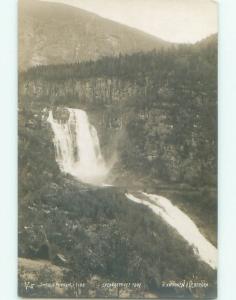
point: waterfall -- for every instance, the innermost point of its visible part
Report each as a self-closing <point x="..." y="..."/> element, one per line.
<point x="78" y="153"/>
<point x="182" y="223"/>
<point x="77" y="147"/>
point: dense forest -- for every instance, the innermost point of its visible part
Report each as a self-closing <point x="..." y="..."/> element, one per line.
<point x="198" y="60"/>
<point x="158" y="112"/>
<point x="161" y="105"/>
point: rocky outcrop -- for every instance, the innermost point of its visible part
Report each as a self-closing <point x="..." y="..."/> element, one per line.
<point x="148" y="140"/>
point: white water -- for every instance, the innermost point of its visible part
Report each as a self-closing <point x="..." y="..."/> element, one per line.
<point x="182" y="223"/>
<point x="78" y="153"/>
<point x="77" y="147"/>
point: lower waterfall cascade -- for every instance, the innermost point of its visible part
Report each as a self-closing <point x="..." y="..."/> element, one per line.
<point x="181" y="222"/>
<point x="78" y="153"/>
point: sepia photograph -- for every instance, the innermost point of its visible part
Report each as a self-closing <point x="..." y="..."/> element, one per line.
<point x="117" y="149"/>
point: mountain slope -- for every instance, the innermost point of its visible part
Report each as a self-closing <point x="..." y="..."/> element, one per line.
<point x="53" y="33"/>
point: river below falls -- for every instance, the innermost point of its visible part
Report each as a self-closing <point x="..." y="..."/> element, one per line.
<point x="77" y="151"/>
<point x="181" y="222"/>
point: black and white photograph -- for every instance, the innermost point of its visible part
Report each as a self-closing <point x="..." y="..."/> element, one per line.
<point x="117" y="149"/>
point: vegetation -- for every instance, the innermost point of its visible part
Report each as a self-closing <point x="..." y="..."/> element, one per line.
<point x="98" y="231"/>
<point x="168" y="134"/>
<point x="165" y="104"/>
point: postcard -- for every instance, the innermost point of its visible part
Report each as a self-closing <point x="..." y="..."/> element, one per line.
<point x="117" y="149"/>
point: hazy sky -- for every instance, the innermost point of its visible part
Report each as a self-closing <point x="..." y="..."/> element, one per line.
<point x="172" y="20"/>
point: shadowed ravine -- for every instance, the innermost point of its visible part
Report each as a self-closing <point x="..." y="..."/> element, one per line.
<point x="78" y="153"/>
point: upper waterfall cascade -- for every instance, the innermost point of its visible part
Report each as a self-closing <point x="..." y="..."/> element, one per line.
<point x="77" y="147"/>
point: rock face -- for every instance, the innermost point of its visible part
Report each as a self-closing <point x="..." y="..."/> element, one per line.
<point x="155" y="113"/>
<point x="143" y="139"/>
<point x="52" y="33"/>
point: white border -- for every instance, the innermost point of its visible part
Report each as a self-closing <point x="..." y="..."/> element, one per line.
<point x="8" y="146"/>
<point x="227" y="150"/>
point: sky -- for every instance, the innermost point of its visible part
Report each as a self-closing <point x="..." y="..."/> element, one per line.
<point x="181" y="21"/>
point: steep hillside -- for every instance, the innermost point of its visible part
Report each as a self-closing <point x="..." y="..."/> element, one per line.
<point x="157" y="112"/>
<point x="52" y="33"/>
<point x="161" y="107"/>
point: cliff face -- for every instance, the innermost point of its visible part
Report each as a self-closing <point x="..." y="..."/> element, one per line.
<point x="143" y="132"/>
<point x="155" y="113"/>
<point x="95" y="91"/>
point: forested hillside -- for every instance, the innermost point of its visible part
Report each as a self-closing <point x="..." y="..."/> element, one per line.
<point x="156" y="116"/>
<point x="165" y="103"/>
